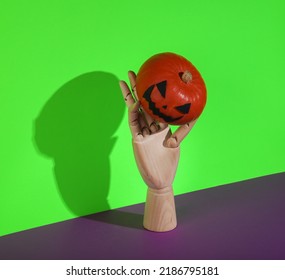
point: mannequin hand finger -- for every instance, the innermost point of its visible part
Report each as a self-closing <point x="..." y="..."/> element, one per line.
<point x="177" y="137"/>
<point x="127" y="95"/>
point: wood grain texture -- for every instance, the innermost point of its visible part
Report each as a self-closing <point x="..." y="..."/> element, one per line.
<point x="160" y="213"/>
<point x="157" y="164"/>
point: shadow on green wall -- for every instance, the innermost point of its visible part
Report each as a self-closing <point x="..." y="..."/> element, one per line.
<point x="75" y="128"/>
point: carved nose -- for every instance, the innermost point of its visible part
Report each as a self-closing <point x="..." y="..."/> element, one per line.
<point x="164" y="106"/>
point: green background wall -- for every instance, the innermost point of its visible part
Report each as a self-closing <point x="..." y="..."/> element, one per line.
<point x="65" y="147"/>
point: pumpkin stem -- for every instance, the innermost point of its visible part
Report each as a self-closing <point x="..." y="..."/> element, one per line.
<point x="186" y="77"/>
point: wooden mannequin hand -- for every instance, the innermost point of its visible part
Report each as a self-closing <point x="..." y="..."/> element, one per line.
<point x="156" y="162"/>
<point x="156" y="149"/>
<point x="156" y="152"/>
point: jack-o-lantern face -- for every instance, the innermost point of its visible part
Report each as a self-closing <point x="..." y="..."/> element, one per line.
<point x="155" y="95"/>
<point x="170" y="89"/>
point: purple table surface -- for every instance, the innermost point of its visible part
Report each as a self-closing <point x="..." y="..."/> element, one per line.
<point x="238" y="221"/>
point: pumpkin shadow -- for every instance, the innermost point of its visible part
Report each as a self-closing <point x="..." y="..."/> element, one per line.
<point x="75" y="128"/>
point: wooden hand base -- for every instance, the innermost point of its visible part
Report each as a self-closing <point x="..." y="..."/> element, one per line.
<point x="159" y="213"/>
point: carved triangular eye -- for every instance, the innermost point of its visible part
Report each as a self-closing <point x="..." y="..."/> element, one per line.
<point x="162" y="88"/>
<point x="184" y="109"/>
<point x="147" y="93"/>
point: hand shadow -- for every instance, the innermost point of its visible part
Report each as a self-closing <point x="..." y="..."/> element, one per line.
<point x="119" y="217"/>
<point x="75" y="128"/>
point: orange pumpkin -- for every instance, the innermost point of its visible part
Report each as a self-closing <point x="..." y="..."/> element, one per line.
<point x="171" y="89"/>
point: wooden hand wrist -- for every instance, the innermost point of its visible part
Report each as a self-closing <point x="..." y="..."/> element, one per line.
<point x="160" y="214"/>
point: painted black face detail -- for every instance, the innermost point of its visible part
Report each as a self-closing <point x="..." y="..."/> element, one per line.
<point x="183" y="109"/>
<point x="162" y="88"/>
